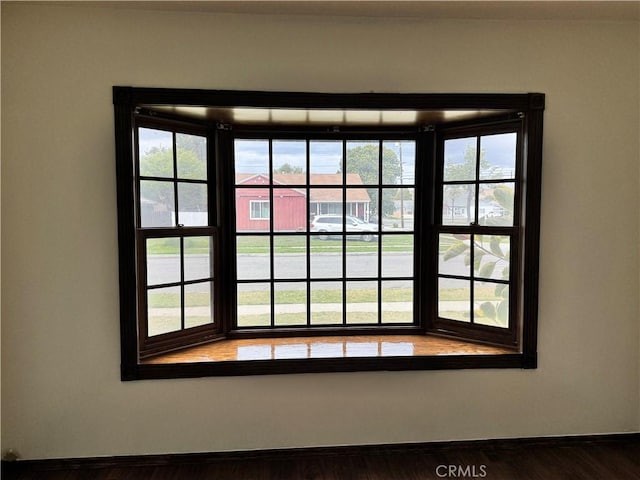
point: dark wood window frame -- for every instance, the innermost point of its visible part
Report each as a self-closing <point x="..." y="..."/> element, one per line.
<point x="161" y="108"/>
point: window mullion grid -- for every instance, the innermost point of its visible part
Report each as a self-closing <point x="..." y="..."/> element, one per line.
<point x="182" y="292"/>
<point x="189" y="282"/>
<point x="465" y="277"/>
<point x="472" y="316"/>
<point x="177" y="224"/>
<point x="476" y="200"/>
<point x="271" y="237"/>
<point x="307" y="227"/>
<point x="143" y="286"/>
<point x="474" y="224"/>
<point x="379" y="207"/>
<point x="137" y="201"/>
<point x="514" y="247"/>
<point x="344" y="232"/>
<point x="175" y="180"/>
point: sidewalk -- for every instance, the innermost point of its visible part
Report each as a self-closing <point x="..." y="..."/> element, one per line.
<point x="457" y="306"/>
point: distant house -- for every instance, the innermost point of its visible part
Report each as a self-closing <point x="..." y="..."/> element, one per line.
<point x="155" y="214"/>
<point x="455" y="206"/>
<point x="253" y="208"/>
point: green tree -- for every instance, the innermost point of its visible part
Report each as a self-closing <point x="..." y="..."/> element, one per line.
<point x="194" y="143"/>
<point x="158" y="162"/>
<point x="463" y="171"/>
<point x="364" y="160"/>
<point x="288" y="168"/>
<point x="488" y="255"/>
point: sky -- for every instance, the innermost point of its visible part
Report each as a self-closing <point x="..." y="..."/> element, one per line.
<point x="499" y="150"/>
<point x="252" y="156"/>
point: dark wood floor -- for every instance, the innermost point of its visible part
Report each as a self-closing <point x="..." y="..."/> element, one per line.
<point x="548" y="460"/>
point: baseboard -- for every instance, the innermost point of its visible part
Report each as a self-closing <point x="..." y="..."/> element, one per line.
<point x="21" y="466"/>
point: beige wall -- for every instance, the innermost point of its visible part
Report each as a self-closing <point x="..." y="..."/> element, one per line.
<point x="61" y="393"/>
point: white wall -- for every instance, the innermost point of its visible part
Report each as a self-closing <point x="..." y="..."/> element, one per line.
<point x="61" y="392"/>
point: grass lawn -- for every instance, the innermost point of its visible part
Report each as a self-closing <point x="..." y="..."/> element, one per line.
<point x="297" y="244"/>
<point x="323" y="318"/>
<point x="201" y="299"/>
<point x="255" y="244"/>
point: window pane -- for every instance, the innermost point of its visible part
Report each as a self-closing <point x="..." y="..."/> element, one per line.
<point x="192" y="204"/>
<point x="251" y="162"/>
<point x="163" y="260"/>
<point x="460" y="159"/>
<point x="362" y="302"/>
<point x="163" y="310"/>
<point x="325" y="162"/>
<point x="289" y="256"/>
<point x="198" y="263"/>
<point x="454" y="299"/>
<point x="191" y="153"/>
<point x="326" y="303"/>
<point x="454" y="254"/>
<point x="290" y="162"/>
<point x="155" y="149"/>
<point x="156" y="204"/>
<point x="363" y="160"/>
<point x="491" y="304"/>
<point x="397" y="302"/>
<point x="458" y="204"/>
<point x="398" y="162"/>
<point x="397" y="255"/>
<point x="326" y="201"/>
<point x="198" y="304"/>
<point x="361" y="206"/>
<point x="259" y="210"/>
<point x="362" y="256"/>
<point x="397" y="208"/>
<point x="326" y="257"/>
<point x="496" y="204"/>
<point x="252" y="210"/>
<point x="254" y="305"/>
<point x="252" y="257"/>
<point x="290" y="210"/>
<point x="491" y="256"/>
<point x="498" y="156"/>
<point x="290" y="304"/>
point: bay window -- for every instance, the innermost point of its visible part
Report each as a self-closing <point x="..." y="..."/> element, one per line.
<point x="256" y="216"/>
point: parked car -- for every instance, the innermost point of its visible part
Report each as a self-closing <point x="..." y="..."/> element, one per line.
<point x="324" y="225"/>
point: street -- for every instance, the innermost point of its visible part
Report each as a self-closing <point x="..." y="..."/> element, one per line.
<point x="166" y="268"/>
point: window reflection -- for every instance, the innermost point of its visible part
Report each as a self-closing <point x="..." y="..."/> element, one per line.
<point x="322" y="348"/>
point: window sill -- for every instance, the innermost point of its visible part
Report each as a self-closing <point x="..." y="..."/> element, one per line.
<point x="327" y="354"/>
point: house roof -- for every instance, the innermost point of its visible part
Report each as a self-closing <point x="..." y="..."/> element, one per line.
<point x="317" y="194"/>
<point x="300" y="178"/>
<point x="335" y="195"/>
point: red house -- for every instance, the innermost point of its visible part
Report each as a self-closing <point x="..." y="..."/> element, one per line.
<point x="253" y="209"/>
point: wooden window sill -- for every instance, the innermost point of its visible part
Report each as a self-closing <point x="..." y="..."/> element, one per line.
<point x="363" y="346"/>
<point x="267" y="356"/>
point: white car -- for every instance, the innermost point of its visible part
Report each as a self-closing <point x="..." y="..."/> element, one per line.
<point x="327" y="224"/>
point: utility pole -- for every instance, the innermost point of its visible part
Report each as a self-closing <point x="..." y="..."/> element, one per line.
<point x="399" y="145"/>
